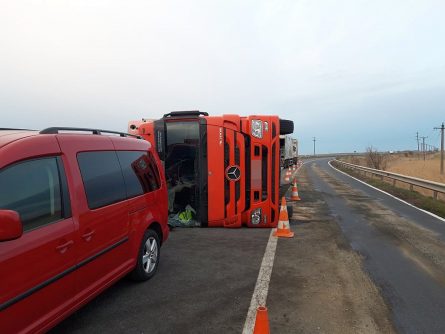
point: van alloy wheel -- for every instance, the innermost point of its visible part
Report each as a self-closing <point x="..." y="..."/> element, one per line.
<point x="150" y="255"/>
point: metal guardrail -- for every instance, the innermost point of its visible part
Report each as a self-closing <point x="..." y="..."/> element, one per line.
<point x="435" y="187"/>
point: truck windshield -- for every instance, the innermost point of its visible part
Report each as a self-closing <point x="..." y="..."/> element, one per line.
<point x="182" y="172"/>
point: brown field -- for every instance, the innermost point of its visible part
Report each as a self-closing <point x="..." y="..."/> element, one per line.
<point x="411" y="165"/>
<point x="417" y="167"/>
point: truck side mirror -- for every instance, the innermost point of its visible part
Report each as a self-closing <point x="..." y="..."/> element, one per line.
<point x="10" y="225"/>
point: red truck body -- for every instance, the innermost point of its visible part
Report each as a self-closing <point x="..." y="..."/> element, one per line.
<point x="227" y="168"/>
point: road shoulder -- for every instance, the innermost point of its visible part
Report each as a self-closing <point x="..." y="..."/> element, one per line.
<point x="318" y="284"/>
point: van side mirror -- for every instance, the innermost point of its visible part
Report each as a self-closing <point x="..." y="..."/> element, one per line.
<point x="10" y="225"/>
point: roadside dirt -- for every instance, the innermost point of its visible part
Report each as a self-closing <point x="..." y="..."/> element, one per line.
<point x="419" y="244"/>
<point x="324" y="288"/>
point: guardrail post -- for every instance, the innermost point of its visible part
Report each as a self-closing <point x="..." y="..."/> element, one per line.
<point x="393" y="182"/>
<point x="435" y="195"/>
<point x="411" y="187"/>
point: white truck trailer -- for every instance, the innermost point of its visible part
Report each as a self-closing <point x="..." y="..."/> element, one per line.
<point x="288" y="150"/>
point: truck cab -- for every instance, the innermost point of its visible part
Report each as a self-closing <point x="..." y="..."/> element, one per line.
<point x="226" y="168"/>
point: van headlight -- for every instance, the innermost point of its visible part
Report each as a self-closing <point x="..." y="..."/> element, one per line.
<point x="255" y="216"/>
<point x="257" y="128"/>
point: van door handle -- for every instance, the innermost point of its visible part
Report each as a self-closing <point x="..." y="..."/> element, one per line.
<point x="63" y="247"/>
<point x="87" y="236"/>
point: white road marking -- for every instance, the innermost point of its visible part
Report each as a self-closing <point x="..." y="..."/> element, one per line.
<point x="261" y="290"/>
<point x="382" y="191"/>
<point x="259" y="296"/>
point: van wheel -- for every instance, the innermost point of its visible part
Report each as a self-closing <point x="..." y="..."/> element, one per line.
<point x="286" y="127"/>
<point x="148" y="257"/>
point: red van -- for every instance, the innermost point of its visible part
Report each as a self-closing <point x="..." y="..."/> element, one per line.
<point x="79" y="209"/>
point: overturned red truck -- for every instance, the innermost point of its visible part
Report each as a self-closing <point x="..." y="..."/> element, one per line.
<point x="226" y="169"/>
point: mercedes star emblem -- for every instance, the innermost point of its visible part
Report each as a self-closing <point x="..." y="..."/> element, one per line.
<point x="233" y="173"/>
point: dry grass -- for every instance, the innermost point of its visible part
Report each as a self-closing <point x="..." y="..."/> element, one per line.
<point x="413" y="166"/>
<point x="410" y="165"/>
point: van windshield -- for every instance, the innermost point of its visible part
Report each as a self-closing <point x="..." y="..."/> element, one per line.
<point x="182" y="172"/>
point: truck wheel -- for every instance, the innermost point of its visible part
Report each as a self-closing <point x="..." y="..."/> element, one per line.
<point x="148" y="257"/>
<point x="286" y="127"/>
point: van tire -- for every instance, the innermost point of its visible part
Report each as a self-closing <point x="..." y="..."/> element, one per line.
<point x="148" y="257"/>
<point x="286" y="127"/>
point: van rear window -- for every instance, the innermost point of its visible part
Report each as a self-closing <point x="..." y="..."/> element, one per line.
<point x="102" y="178"/>
<point x="140" y="172"/>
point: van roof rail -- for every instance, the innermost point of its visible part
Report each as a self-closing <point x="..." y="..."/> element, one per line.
<point x="186" y="113"/>
<point x="55" y="130"/>
<point x="16" y="129"/>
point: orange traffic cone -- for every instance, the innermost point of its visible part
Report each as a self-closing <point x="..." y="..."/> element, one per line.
<point x="283" y="229"/>
<point x="287" y="176"/>
<point x="295" y="196"/>
<point x="261" y="321"/>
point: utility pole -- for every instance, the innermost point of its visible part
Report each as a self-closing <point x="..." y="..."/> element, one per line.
<point x="417" y="136"/>
<point x="314" y="144"/>
<point x="423" y="147"/>
<point x="441" y="146"/>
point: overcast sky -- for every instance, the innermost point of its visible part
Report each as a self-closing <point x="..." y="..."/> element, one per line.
<point x="352" y="73"/>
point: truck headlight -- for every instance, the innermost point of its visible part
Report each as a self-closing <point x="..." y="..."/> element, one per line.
<point x="255" y="216"/>
<point x="257" y="128"/>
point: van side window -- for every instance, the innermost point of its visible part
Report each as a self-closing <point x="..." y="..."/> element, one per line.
<point x="102" y="178"/>
<point x="140" y="172"/>
<point x="33" y="189"/>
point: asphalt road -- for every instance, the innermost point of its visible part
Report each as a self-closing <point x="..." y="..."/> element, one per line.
<point x="411" y="283"/>
<point x="204" y="285"/>
<point x="360" y="262"/>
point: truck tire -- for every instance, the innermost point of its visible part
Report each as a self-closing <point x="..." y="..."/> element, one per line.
<point x="286" y="127"/>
